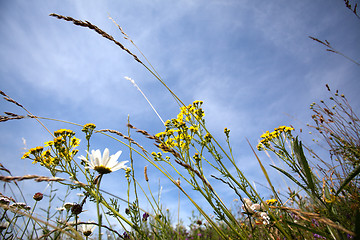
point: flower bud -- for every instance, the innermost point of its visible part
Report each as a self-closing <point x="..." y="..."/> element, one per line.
<point x="38" y="196"/>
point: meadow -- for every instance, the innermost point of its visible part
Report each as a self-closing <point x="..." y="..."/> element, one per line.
<point x="323" y="205"/>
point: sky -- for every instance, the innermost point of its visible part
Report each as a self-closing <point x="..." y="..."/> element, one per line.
<point x="251" y="62"/>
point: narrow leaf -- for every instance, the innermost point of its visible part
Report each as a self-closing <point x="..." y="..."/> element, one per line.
<point x="290" y="177"/>
<point x="300" y="156"/>
<point x="352" y="175"/>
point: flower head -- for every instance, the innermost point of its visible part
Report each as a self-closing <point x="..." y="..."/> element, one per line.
<point x="87" y="229"/>
<point x="104" y="164"/>
<point x="145" y="217"/>
<point x="68" y="205"/>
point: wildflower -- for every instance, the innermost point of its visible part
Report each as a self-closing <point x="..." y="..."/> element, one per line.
<point x="227" y="132"/>
<point x="126" y="235"/>
<point x="348" y="236"/>
<point x="331" y="200"/>
<point x="255" y="206"/>
<point x="315" y="222"/>
<point x="265" y="218"/>
<point x="74" y="142"/>
<point x="26" y="155"/>
<point x="88" y="126"/>
<point x="64" y="133"/>
<point x="317" y="236"/>
<point x="104" y="164"/>
<point x="196" y="157"/>
<point x="145" y="217"/>
<point x="58" y="141"/>
<point x="271" y="201"/>
<point x="208" y="137"/>
<point x="127" y="211"/>
<point x="127" y="173"/>
<point x="193" y="129"/>
<point x="87" y="229"/>
<point x="247" y="205"/>
<point x="49" y="143"/>
<point x="47" y="159"/>
<point x="167" y="123"/>
<point x="38" y="196"/>
<point x="68" y="206"/>
<point x="76" y="209"/>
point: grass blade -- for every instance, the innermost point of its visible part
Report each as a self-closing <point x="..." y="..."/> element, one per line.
<point x="351" y="176"/>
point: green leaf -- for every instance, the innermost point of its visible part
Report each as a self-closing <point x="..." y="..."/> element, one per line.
<point x="289" y="176"/>
<point x="352" y="175"/>
<point x="300" y="156"/>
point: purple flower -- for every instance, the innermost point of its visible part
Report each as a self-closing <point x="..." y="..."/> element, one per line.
<point x="145" y="217"/>
<point x="349" y="236"/>
<point x="126" y="235"/>
<point x="315" y="222"/>
<point x="317" y="236"/>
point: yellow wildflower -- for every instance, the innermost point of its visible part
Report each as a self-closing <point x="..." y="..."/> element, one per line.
<point x="288" y="129"/>
<point x="265" y="135"/>
<point x="26" y="155"/>
<point x="49" y="143"/>
<point x="74" y="142"/>
<point x="331" y="200"/>
<point x="160" y="134"/>
<point x="170" y="132"/>
<point x="47" y="159"/>
<point x="89" y="125"/>
<point x="58" y="140"/>
<point x="32" y="150"/>
<point x="64" y="132"/>
<point x="271" y="201"/>
<point x="193" y="129"/>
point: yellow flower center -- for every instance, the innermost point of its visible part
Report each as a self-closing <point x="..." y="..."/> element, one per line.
<point x="102" y="169"/>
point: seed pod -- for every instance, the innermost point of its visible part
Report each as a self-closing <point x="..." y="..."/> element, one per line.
<point x="145" y="174"/>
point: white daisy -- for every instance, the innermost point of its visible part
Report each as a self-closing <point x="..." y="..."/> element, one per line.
<point x="87" y="229"/>
<point x="104" y="164"/>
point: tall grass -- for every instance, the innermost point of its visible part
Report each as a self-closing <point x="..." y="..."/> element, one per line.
<point x="324" y="204"/>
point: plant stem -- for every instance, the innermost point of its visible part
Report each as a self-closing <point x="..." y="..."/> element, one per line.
<point x="97" y="205"/>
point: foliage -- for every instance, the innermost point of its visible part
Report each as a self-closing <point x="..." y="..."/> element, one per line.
<point x="324" y="204"/>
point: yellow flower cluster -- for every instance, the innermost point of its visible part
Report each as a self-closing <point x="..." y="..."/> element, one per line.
<point x="271" y="201"/>
<point x="177" y="133"/>
<point x="89" y="126"/>
<point x="62" y="147"/>
<point x="64" y="133"/>
<point x="190" y="113"/>
<point x="267" y="137"/>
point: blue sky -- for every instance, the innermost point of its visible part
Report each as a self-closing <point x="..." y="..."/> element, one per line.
<point x="251" y="62"/>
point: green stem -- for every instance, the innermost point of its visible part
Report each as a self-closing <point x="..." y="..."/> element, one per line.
<point x="97" y="205"/>
<point x="27" y="223"/>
